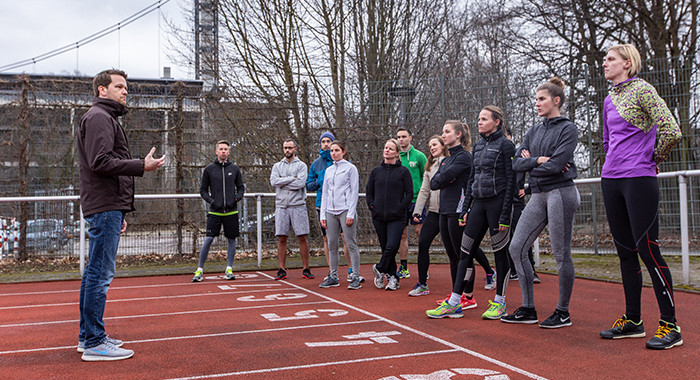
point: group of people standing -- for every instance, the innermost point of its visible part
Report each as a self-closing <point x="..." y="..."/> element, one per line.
<point x="454" y="192"/>
<point x="462" y="192"/>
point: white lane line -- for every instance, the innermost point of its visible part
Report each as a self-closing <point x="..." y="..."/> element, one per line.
<point x="163" y="314"/>
<point x="305" y="366"/>
<point x="213" y="335"/>
<point x="142" y="299"/>
<point x="420" y="333"/>
<point x="139" y="287"/>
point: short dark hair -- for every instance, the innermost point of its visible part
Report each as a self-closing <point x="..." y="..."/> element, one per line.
<point x="104" y="79"/>
<point x="399" y="129"/>
<point x="222" y="142"/>
<point x="292" y="140"/>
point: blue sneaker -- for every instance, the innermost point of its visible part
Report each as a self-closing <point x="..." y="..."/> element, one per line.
<point x="402" y="272"/>
<point x="115" y="342"/>
<point x="106" y="352"/>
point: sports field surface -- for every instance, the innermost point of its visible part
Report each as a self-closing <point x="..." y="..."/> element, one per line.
<point x="256" y="327"/>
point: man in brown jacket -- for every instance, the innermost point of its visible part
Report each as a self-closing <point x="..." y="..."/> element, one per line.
<point x="106" y="194"/>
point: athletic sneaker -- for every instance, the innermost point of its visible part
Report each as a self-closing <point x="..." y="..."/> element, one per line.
<point x="556" y="320"/>
<point x="445" y="310"/>
<point x="393" y="283"/>
<point x="667" y="336"/>
<point x="355" y="283"/>
<point x="513" y="276"/>
<point x="467" y="303"/>
<point x="106" y="352"/>
<point x="229" y="274"/>
<point x="495" y="311"/>
<point x="281" y="274"/>
<point x="198" y="276"/>
<point x="419" y="290"/>
<point x="306" y="273"/>
<point x="378" y="277"/>
<point x="522" y="315"/>
<point x="464" y="301"/>
<point x="403" y="272"/>
<point x="624" y="328"/>
<point x="115" y="342"/>
<point x="329" y="282"/>
<point x="490" y="281"/>
<point x="536" y="279"/>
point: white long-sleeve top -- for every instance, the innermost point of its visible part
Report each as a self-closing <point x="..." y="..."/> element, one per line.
<point x="427" y="197"/>
<point x="341" y="189"/>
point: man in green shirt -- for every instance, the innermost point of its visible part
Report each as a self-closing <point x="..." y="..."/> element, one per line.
<point x="415" y="161"/>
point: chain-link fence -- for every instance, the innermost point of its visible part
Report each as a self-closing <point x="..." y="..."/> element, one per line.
<point x="40" y="115"/>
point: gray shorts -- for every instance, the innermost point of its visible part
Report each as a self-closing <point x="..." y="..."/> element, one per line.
<point x="295" y="218"/>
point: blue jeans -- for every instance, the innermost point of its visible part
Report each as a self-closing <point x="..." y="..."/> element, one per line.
<point x="104" y="234"/>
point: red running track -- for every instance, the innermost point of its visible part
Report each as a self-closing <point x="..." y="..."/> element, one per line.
<point x="255" y="327"/>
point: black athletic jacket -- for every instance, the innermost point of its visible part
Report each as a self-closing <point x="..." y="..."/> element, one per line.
<point x="451" y="179"/>
<point x="389" y="192"/>
<point x="492" y="173"/>
<point x="222" y="186"/>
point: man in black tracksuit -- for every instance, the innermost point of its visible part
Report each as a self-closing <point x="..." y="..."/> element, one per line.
<point x="222" y="187"/>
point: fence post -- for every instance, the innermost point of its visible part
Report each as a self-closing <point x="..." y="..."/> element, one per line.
<point x="258" y="210"/>
<point x="685" y="259"/>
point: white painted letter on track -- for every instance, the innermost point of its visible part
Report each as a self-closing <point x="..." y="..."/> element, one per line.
<point x="304" y="314"/>
<point x="273" y="297"/>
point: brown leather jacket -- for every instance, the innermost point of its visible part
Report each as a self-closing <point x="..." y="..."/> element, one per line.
<point x="106" y="166"/>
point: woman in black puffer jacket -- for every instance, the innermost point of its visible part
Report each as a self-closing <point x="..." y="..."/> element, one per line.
<point x="389" y="194"/>
<point x="487" y="207"/>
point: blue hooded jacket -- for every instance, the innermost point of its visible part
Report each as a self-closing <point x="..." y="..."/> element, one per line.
<point x="317" y="170"/>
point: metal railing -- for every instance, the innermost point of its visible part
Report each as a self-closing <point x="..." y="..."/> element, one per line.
<point x="258" y="197"/>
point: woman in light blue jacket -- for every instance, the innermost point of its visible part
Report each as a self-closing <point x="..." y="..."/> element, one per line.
<point x="341" y="188"/>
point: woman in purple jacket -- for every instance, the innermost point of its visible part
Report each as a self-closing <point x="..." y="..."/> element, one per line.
<point x="639" y="131"/>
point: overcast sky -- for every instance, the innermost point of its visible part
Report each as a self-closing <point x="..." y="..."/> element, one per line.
<point x="29" y="28"/>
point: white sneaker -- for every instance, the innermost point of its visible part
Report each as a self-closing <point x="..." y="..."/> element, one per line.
<point x="116" y="342"/>
<point x="490" y="281"/>
<point x="106" y="352"/>
<point x="393" y="283"/>
<point x="378" y="277"/>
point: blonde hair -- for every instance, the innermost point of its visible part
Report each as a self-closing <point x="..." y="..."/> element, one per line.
<point x="463" y="128"/>
<point x="629" y="52"/>
<point x="396" y="144"/>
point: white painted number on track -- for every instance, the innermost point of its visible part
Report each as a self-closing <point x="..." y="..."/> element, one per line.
<point x="244" y="286"/>
<point x="304" y="314"/>
<point x="446" y="374"/>
<point x="273" y="297"/>
<point x="369" y="337"/>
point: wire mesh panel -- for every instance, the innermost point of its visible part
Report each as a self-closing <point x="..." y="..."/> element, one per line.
<point x="40" y="116"/>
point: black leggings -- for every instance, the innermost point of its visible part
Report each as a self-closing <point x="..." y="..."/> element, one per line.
<point x="430" y="229"/>
<point x="484" y="217"/>
<point x="632" y="206"/>
<point x="389" y="234"/>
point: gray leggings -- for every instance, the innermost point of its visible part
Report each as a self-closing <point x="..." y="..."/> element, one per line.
<point x="334" y="225"/>
<point x="556" y="208"/>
